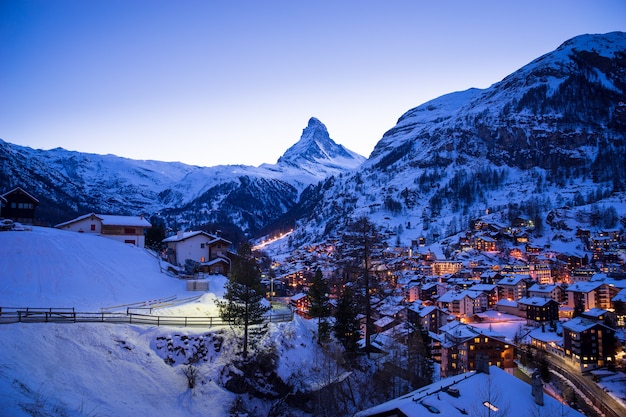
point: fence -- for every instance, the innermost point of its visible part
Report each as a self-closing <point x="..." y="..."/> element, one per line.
<point x="69" y="315"/>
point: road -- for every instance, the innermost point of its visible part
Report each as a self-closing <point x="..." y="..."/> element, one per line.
<point x="606" y="403"/>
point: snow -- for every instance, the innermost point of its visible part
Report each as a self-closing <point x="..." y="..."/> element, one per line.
<point x="89" y="369"/>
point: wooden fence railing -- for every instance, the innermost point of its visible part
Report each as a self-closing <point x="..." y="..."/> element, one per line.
<point x="69" y="315"/>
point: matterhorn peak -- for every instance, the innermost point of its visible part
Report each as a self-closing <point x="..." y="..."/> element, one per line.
<point x="316" y="148"/>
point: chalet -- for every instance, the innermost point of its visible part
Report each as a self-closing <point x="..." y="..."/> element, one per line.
<point x="463" y="303"/>
<point x="431" y="291"/>
<point x="513" y="287"/>
<point x="553" y="291"/>
<point x="485" y="243"/>
<point x="125" y="229"/>
<point x="490" y="290"/>
<point x="19" y="206"/>
<point x="210" y="251"/>
<point x="588" y="343"/>
<point x="300" y="303"/>
<point x="548" y="338"/>
<point x="461" y="343"/>
<point x="430" y="318"/>
<point x="539" y="309"/>
<point x="601" y="316"/>
<point x="592" y="294"/>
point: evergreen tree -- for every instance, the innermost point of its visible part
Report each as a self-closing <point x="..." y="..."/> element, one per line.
<point x="347" y="328"/>
<point x="361" y="242"/>
<point x="243" y="304"/>
<point x="419" y="361"/>
<point x="319" y="304"/>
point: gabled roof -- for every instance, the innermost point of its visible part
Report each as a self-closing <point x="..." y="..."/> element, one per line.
<point x="580" y="324"/>
<point x="512" y="279"/>
<point x="111" y="220"/>
<point x="584" y="286"/>
<point x="543" y="288"/>
<point x="181" y="236"/>
<point x="536" y="301"/>
<point x="18" y="189"/>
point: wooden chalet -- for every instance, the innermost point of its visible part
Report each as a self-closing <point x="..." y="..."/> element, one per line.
<point x="19" y="206"/>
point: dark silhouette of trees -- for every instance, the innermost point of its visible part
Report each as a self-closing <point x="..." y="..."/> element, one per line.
<point x="361" y="242"/>
<point x="319" y="304"/>
<point x="242" y="305"/>
<point x="347" y="328"/>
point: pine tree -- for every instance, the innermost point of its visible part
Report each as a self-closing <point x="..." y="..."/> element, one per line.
<point x="319" y="304"/>
<point x="361" y="242"/>
<point x="243" y="304"/>
<point x="347" y="328"/>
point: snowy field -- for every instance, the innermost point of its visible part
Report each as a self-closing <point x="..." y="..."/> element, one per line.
<point x="106" y="369"/>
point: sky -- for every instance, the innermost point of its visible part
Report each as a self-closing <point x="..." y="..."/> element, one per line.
<point x="235" y="82"/>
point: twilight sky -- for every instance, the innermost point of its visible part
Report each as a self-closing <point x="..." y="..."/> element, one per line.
<point x="234" y="82"/>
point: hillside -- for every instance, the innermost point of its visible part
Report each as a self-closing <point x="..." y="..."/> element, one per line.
<point x="549" y="135"/>
<point x="102" y="369"/>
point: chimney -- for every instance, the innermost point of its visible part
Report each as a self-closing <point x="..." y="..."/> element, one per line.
<point x="537" y="387"/>
<point x="180" y="234"/>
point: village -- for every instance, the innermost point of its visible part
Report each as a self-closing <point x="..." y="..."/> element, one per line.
<point x="499" y="293"/>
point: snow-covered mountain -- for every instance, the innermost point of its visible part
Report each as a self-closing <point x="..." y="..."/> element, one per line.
<point x="69" y="183"/>
<point x="548" y="135"/>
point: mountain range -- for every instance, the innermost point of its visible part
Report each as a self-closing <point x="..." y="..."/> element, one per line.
<point x="548" y="135"/>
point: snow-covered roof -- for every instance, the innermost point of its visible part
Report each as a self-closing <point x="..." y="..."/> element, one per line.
<point x="180" y="236"/>
<point x="580" y="324"/>
<point x="584" y="286"/>
<point x="543" y="288"/>
<point x="536" y="301"/>
<point x="19" y="189"/>
<point x="467" y="393"/>
<point x="111" y="220"/>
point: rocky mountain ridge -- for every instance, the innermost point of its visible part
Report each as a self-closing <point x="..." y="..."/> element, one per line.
<point x="548" y="135"/>
<point x="72" y="183"/>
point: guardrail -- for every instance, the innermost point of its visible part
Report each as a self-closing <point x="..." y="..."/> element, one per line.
<point x="69" y="315"/>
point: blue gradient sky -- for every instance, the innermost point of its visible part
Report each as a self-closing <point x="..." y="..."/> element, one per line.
<point x="235" y="82"/>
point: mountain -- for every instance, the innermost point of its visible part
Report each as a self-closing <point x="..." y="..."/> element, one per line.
<point x="548" y="135"/>
<point x="317" y="153"/>
<point x="72" y="183"/>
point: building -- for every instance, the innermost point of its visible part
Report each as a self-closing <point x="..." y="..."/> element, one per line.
<point x="589" y="343"/>
<point x="556" y="292"/>
<point x="461" y="343"/>
<point x="539" y="309"/>
<point x="477" y="393"/>
<point x="19" y="206"/>
<point x="208" y="250"/>
<point x="513" y="287"/>
<point x="430" y="318"/>
<point x="125" y="229"/>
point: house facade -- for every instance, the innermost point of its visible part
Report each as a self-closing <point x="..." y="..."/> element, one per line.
<point x="461" y="343"/>
<point x="210" y="251"/>
<point x="539" y="309"/>
<point x="589" y="343"/>
<point x="19" y="206"/>
<point x="126" y="229"/>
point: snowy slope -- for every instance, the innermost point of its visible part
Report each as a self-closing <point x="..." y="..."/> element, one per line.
<point x="108" y="370"/>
